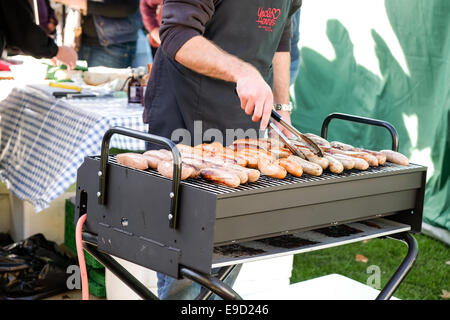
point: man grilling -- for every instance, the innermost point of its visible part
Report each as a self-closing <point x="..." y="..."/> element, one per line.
<point x="222" y="65"/>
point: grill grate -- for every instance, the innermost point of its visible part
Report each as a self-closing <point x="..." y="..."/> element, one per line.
<point x="265" y="182"/>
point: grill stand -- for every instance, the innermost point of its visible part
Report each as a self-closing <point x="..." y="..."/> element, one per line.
<point x="215" y="285"/>
<point x="406" y="265"/>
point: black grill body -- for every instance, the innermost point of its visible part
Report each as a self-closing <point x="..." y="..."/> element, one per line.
<point x="133" y="222"/>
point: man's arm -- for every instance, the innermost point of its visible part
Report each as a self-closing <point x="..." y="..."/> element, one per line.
<point x="203" y="56"/>
<point x="281" y="71"/>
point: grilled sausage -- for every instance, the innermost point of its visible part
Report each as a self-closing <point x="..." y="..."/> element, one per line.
<point x="231" y="155"/>
<point x="132" y="160"/>
<point x="362" y="155"/>
<point x="323" y="162"/>
<point x="368" y="155"/>
<point x="395" y="157"/>
<point x="308" y="167"/>
<point x="271" y="169"/>
<point x="347" y="162"/>
<point x="211" y="148"/>
<point x="243" y="177"/>
<point x="335" y="165"/>
<point x="154" y="156"/>
<point x="221" y="176"/>
<point x="291" y="166"/>
<point x="360" y="164"/>
<point x="380" y="156"/>
<point x="252" y="174"/>
<point x="341" y="146"/>
<point x="165" y="168"/>
<point x="318" y="140"/>
<point x="257" y="153"/>
<point x="280" y="152"/>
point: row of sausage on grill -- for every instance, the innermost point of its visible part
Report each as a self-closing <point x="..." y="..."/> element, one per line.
<point x="246" y="159"/>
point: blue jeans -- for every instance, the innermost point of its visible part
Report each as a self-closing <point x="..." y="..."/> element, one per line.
<point x="184" y="289"/>
<point x="119" y="55"/>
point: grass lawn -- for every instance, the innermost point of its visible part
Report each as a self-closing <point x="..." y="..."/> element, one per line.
<point x="426" y="280"/>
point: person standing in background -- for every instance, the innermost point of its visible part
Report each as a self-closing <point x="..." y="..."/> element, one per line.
<point x="151" y="11"/>
<point x="19" y="30"/>
<point x="109" y="31"/>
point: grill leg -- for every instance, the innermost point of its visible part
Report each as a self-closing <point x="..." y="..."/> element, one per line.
<point x="221" y="276"/>
<point x="406" y="265"/>
<point x="120" y="272"/>
<point x="215" y="285"/>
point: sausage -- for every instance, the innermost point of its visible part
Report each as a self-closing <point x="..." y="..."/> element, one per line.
<point x="323" y="162"/>
<point x="368" y="155"/>
<point x="308" y="167"/>
<point x="251" y="160"/>
<point x="380" y="156"/>
<point x="165" y="168"/>
<point x="154" y="156"/>
<point x="372" y="161"/>
<point x="335" y="165"/>
<point x="252" y="174"/>
<point x="132" y="160"/>
<point x="240" y="160"/>
<point x="395" y="157"/>
<point x="271" y="169"/>
<point x="318" y="140"/>
<point x="238" y="145"/>
<point x="280" y="152"/>
<point x="221" y="176"/>
<point x="347" y="162"/>
<point x="362" y="155"/>
<point x="291" y="166"/>
<point x="341" y="146"/>
<point x="243" y="177"/>
<point x="359" y="164"/>
<point x="212" y="148"/>
<point x="257" y="153"/>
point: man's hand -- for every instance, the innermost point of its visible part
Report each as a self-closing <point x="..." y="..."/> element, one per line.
<point x="76" y="4"/>
<point x="255" y="95"/>
<point x="67" y="56"/>
<point x="154" y="34"/>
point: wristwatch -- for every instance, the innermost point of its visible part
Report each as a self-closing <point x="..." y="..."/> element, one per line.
<point x="283" y="107"/>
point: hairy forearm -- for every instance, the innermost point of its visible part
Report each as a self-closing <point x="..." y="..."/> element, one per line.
<point x="203" y="56"/>
<point x="281" y="67"/>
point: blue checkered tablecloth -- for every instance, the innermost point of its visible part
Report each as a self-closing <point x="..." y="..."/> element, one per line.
<point x="44" y="140"/>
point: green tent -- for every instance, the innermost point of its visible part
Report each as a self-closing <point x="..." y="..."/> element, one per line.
<point x="385" y="60"/>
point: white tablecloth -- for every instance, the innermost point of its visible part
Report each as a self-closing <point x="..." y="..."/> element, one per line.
<point x="44" y="140"/>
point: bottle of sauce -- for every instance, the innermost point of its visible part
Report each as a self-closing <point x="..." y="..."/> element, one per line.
<point x="134" y="86"/>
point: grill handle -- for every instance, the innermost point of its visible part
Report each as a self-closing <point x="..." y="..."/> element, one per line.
<point x="173" y="214"/>
<point x="369" y="121"/>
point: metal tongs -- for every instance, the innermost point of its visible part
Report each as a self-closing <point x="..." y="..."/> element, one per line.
<point x="314" y="147"/>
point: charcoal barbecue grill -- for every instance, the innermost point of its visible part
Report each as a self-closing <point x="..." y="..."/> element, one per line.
<point x="187" y="228"/>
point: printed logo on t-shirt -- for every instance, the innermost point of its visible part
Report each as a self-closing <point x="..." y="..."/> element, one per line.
<point x="267" y="18"/>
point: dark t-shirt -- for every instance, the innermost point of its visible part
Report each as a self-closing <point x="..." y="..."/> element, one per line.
<point x="177" y="97"/>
